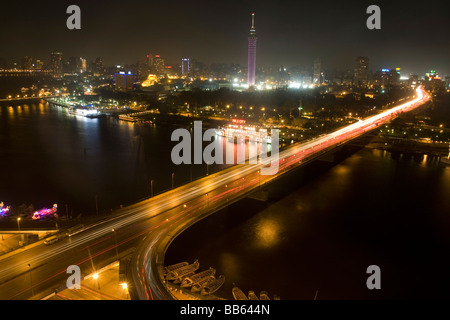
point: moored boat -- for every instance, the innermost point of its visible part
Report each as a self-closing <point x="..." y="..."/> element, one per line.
<point x="128" y="118"/>
<point x="213" y="286"/>
<point x="3" y="209"/>
<point x="252" y="295"/>
<point x="46" y="213"/>
<point x="446" y="159"/>
<point x="183" y="271"/>
<point x="200" y="285"/>
<point x="174" y="267"/>
<point x="238" y="294"/>
<point x="196" y="278"/>
<point x="264" y="295"/>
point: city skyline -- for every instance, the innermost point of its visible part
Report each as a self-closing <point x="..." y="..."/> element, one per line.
<point x="210" y="152"/>
<point x="287" y="36"/>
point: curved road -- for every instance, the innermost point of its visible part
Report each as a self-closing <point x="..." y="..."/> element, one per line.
<point x="148" y="261"/>
<point x="38" y="271"/>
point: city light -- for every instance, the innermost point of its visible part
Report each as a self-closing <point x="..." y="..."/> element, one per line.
<point x="158" y="162"/>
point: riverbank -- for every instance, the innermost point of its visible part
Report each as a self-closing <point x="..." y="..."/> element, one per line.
<point x="411" y="146"/>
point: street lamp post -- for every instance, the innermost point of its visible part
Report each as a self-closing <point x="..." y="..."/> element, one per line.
<point x="151" y="188"/>
<point x="125" y="288"/>
<point x="96" y="204"/>
<point x="173" y="175"/>
<point x="115" y="240"/>
<point x="95" y="276"/>
<point x="18" y="223"/>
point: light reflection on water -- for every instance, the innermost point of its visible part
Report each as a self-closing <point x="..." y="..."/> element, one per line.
<point x="56" y="157"/>
<point x="267" y="233"/>
<point x="375" y="207"/>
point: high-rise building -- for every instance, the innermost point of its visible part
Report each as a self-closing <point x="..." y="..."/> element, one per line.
<point x="251" y="70"/>
<point x="317" y="72"/>
<point x="73" y="65"/>
<point x="149" y="60"/>
<point x="158" y="65"/>
<point x="124" y="81"/>
<point x="38" y="64"/>
<point x="185" y="67"/>
<point x="83" y="65"/>
<point x="361" y="74"/>
<point x="98" y="66"/>
<point x="56" y="64"/>
<point x="27" y="63"/>
<point x="147" y="67"/>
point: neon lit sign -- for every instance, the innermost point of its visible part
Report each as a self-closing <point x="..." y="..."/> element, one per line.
<point x="239" y="121"/>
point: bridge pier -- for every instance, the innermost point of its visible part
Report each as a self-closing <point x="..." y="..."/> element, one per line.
<point x="260" y="195"/>
<point x="28" y="238"/>
<point x="328" y="157"/>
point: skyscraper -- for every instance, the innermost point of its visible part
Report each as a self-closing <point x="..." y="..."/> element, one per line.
<point x="27" y="63"/>
<point x="83" y="65"/>
<point x="251" y="70"/>
<point x="56" y="64"/>
<point x="98" y="66"/>
<point x="317" y="72"/>
<point x="158" y="65"/>
<point x="124" y="81"/>
<point x="74" y="65"/>
<point x="361" y="70"/>
<point x="185" y="67"/>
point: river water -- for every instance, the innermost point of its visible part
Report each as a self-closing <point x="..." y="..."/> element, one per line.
<point x="49" y="156"/>
<point x="373" y="208"/>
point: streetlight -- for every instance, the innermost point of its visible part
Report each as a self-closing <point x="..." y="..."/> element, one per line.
<point x="151" y="188"/>
<point x="95" y="276"/>
<point x="18" y="223"/>
<point x="96" y="204"/>
<point x="125" y="288"/>
<point x="115" y="239"/>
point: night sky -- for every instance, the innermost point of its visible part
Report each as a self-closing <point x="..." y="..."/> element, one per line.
<point x="414" y="35"/>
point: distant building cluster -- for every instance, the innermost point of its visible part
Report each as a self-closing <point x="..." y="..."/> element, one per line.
<point x="153" y="71"/>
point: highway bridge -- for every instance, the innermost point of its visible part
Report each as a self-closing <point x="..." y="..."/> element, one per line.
<point x="233" y="184"/>
<point x="151" y="225"/>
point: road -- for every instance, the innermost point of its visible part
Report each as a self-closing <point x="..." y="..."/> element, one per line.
<point x="148" y="262"/>
<point x="38" y="271"/>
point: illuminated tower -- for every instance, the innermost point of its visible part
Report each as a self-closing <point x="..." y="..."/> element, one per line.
<point x="252" y="54"/>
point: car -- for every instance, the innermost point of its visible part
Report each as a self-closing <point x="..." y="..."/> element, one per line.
<point x="51" y="240"/>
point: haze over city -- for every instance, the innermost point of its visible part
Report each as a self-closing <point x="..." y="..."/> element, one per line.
<point x="290" y="33"/>
<point x="210" y="151"/>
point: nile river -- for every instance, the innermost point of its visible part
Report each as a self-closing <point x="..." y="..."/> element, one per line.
<point x="373" y="208"/>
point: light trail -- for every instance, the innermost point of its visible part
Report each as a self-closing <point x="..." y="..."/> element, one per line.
<point x="162" y="203"/>
<point x="149" y="281"/>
